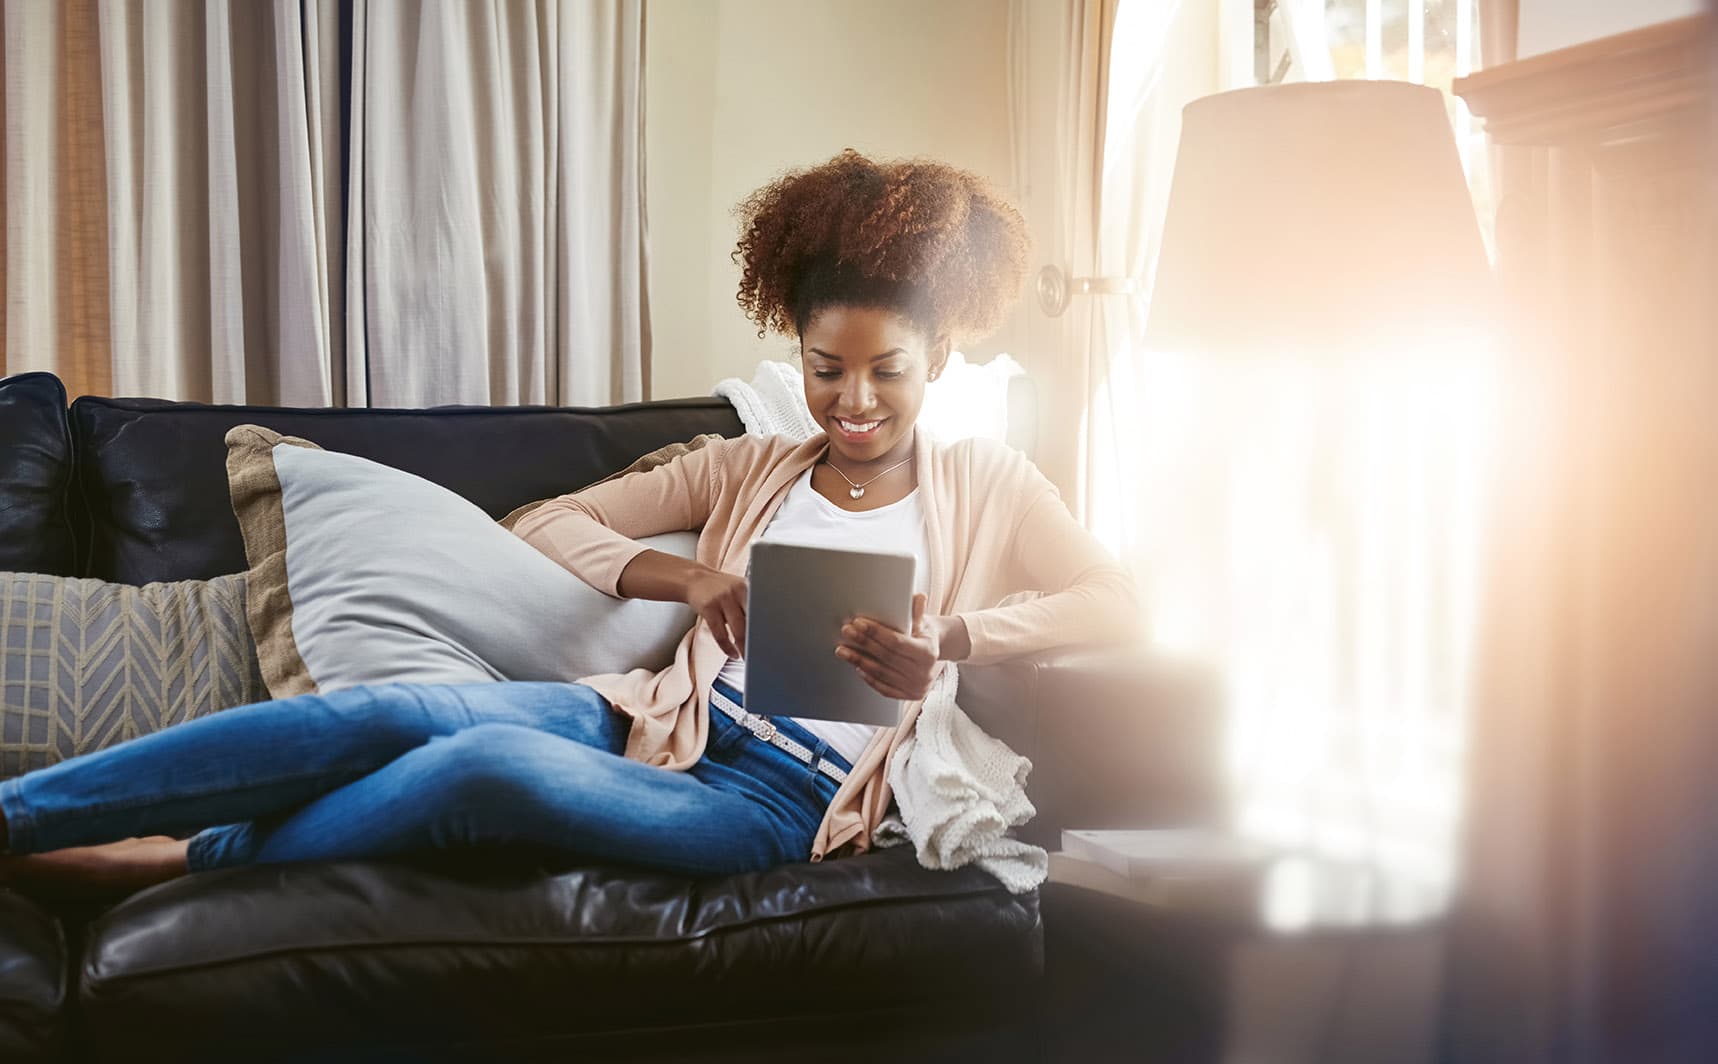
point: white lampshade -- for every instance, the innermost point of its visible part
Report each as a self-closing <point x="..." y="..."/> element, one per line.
<point x="1324" y="219"/>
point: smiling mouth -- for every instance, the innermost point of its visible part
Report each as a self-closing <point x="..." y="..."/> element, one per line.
<point x="859" y="430"/>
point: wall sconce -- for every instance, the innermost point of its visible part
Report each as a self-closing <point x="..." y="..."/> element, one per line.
<point x="1055" y="289"/>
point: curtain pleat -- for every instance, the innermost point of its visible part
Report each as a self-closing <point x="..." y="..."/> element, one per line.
<point x="225" y="278"/>
<point x="1085" y="345"/>
<point x="83" y="264"/>
<point x="357" y="244"/>
<point x="56" y="258"/>
<point x="232" y="203"/>
<point x="305" y="300"/>
<point x="600" y="283"/>
<point x="421" y="100"/>
<point x="5" y="192"/>
<point x="513" y="270"/>
<point x="323" y="209"/>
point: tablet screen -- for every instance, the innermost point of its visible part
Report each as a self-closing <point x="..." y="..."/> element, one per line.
<point x="798" y="598"/>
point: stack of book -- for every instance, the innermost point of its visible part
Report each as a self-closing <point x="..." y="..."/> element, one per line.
<point x="1182" y="868"/>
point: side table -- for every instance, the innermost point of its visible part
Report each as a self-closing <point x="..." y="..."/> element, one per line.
<point x="1316" y="960"/>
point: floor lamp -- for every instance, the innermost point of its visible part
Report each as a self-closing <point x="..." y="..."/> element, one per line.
<point x="1323" y="294"/>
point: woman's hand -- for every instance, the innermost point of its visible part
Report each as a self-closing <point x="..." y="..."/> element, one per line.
<point x="720" y="598"/>
<point x="899" y="664"/>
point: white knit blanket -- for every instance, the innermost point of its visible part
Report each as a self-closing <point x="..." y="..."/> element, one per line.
<point x="773" y="404"/>
<point x="959" y="789"/>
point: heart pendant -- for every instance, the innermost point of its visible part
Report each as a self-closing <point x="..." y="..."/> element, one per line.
<point x="857" y="493"/>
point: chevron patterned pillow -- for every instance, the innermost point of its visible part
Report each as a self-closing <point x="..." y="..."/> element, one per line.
<point x="85" y="664"/>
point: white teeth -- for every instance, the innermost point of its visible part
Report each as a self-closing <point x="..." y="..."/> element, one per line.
<point x="858" y="428"/>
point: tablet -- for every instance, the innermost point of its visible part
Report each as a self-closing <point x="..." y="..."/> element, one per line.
<point x="797" y="600"/>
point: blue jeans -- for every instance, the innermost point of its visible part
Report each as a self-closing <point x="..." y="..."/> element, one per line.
<point x="403" y="768"/>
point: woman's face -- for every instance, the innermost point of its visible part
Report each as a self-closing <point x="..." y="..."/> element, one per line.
<point x="865" y="375"/>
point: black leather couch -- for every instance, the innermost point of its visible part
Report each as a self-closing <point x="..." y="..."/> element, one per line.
<point x="525" y="956"/>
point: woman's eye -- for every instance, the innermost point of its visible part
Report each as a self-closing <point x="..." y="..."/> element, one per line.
<point x="826" y="374"/>
<point x="890" y="375"/>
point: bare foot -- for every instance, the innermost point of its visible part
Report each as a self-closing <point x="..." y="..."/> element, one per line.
<point x="129" y="863"/>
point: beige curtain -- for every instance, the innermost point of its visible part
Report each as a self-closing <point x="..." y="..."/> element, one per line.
<point x="169" y="196"/>
<point x="1129" y="69"/>
<point x="176" y="224"/>
<point x="1164" y="56"/>
<point x="497" y="238"/>
<point x="1083" y="344"/>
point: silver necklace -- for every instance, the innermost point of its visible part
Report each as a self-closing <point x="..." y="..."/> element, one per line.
<point x="857" y="491"/>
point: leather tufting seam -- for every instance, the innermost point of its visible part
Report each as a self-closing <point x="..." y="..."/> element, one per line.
<point x="68" y="482"/>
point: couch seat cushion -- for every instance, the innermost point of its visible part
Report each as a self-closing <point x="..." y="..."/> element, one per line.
<point x="35" y="476"/>
<point x="32" y="981"/>
<point x="318" y="957"/>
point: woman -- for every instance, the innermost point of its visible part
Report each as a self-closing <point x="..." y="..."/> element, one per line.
<point x="876" y="269"/>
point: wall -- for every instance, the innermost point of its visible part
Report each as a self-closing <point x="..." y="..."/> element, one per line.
<point x="739" y="90"/>
<point x="1547" y="25"/>
<point x="1044" y="28"/>
<point x="680" y="78"/>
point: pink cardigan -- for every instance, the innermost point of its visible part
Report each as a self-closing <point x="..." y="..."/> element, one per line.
<point x="994" y="526"/>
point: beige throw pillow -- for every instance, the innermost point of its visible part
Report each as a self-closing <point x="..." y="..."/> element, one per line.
<point x="364" y="574"/>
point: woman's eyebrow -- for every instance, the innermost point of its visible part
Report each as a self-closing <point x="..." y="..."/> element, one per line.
<point x="874" y="358"/>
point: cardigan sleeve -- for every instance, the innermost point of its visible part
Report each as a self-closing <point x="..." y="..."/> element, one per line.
<point x="592" y="533"/>
<point x="1089" y="598"/>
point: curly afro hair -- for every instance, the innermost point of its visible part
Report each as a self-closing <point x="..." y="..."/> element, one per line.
<point x="924" y="239"/>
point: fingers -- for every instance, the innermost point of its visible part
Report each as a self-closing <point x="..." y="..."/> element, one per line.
<point x="878" y="668"/>
<point x="881" y="678"/>
<point x="734" y="612"/>
<point x="726" y="617"/>
<point x="720" y="600"/>
<point x="889" y="690"/>
<point x="728" y="624"/>
<point x="918" y="627"/>
<point x="913" y="652"/>
<point x="886" y="659"/>
<point x="719" y="628"/>
<point x="899" y="671"/>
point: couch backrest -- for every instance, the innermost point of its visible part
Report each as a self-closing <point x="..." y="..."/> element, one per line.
<point x="35" y="477"/>
<point x="152" y="474"/>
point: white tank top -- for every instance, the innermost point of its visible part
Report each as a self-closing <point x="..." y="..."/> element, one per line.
<point x="807" y="518"/>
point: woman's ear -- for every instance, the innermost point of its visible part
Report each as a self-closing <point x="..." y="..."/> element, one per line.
<point x="937" y="355"/>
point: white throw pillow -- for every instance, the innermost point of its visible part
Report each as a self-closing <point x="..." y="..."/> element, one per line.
<point x="364" y="574"/>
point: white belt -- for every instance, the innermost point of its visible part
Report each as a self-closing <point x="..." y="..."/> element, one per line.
<point x="765" y="729"/>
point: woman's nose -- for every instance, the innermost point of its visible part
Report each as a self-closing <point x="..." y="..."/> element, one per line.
<point x="857" y="395"/>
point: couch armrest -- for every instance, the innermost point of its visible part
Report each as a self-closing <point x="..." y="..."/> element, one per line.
<point x="1117" y="739"/>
